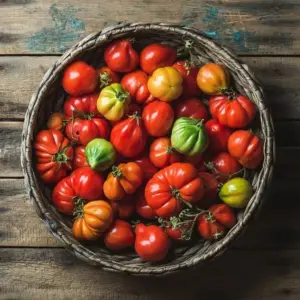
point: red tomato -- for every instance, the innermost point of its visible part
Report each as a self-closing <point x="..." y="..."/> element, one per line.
<point x="177" y="234"/>
<point x="133" y="108"/>
<point x="79" y="78"/>
<point x="235" y="112"/>
<point x="79" y="159"/>
<point x="189" y="74"/>
<point x="54" y="155"/>
<point x="146" y="165"/>
<point x="208" y="228"/>
<point x="107" y="76"/>
<point x="218" y="136"/>
<point x="155" y="56"/>
<point x="83" y="184"/>
<point x="83" y="131"/>
<point x="195" y="160"/>
<point x="124" y="209"/>
<point x="162" y="154"/>
<point x="136" y="84"/>
<point x="82" y="106"/>
<point x="119" y="236"/>
<point x="141" y="206"/>
<point x="247" y="148"/>
<point x="211" y="185"/>
<point x="223" y="214"/>
<point x="158" y="117"/>
<point x="191" y="108"/>
<point x="121" y="57"/>
<point x="172" y="185"/>
<point x="129" y="136"/>
<point x="151" y="243"/>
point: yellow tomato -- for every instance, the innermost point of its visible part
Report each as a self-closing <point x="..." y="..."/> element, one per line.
<point x="165" y="84"/>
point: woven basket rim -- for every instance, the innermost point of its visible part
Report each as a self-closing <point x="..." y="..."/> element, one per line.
<point x="27" y="136"/>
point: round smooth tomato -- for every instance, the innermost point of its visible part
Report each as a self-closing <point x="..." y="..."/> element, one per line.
<point x="155" y="56"/>
<point x="158" y="118"/>
<point x="56" y="121"/>
<point x="223" y="214"/>
<point x="79" y="78"/>
<point x="54" y="155"/>
<point x="119" y="236"/>
<point x="169" y="187"/>
<point x="189" y="74"/>
<point x="234" y="111"/>
<point x="191" y="108"/>
<point x="162" y="153"/>
<point x="84" y="106"/>
<point x="83" y="131"/>
<point x="213" y="79"/>
<point x="142" y="207"/>
<point x="211" y="186"/>
<point x="208" y="228"/>
<point x="218" y="136"/>
<point x="121" y="57"/>
<point x="246" y="148"/>
<point x="79" y="159"/>
<point x="151" y="243"/>
<point x="124" y="209"/>
<point x="129" y="137"/>
<point x="107" y="76"/>
<point x="165" y="84"/>
<point x="83" y="184"/>
<point x="136" y="84"/>
<point x="146" y="165"/>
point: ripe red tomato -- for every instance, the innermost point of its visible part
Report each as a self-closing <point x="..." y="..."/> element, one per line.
<point x="247" y="148"/>
<point x="166" y="190"/>
<point x="136" y="84"/>
<point x="151" y="243"/>
<point x="158" y="117"/>
<point x="208" y="228"/>
<point x="85" y="106"/>
<point x="235" y="112"/>
<point x="83" y="131"/>
<point x="162" y="154"/>
<point x="79" y="78"/>
<point x="107" y="76"/>
<point x="79" y="159"/>
<point x="155" y="56"/>
<point x="141" y="206"/>
<point x="191" y="108"/>
<point x="54" y="155"/>
<point x="83" y="184"/>
<point x="178" y="234"/>
<point x="223" y="214"/>
<point x="189" y="74"/>
<point x="146" y="165"/>
<point x="124" y="209"/>
<point x="211" y="185"/>
<point x="119" y="236"/>
<point x="129" y="136"/>
<point x="218" y="136"/>
<point x="121" y="57"/>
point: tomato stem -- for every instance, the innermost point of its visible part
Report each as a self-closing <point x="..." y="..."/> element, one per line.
<point x="122" y="96"/>
<point x="105" y="79"/>
<point x="78" y="207"/>
<point x="116" y="172"/>
<point x="170" y="150"/>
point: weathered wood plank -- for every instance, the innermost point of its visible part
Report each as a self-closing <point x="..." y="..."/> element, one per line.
<point x="249" y="26"/>
<point x="246" y="275"/>
<point x="276" y="227"/>
<point x="279" y="76"/>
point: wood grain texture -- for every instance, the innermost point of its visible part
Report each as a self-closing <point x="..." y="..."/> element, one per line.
<point x="20" y="77"/>
<point x="55" y="274"/>
<point x="249" y="26"/>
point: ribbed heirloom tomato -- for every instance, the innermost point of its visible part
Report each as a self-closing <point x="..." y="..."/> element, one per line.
<point x="107" y="76"/>
<point x="142" y="207"/>
<point x="172" y="185"/>
<point x="54" y="155"/>
<point x="79" y="159"/>
<point x="191" y="108"/>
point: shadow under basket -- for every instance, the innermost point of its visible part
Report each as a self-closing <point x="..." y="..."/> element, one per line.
<point x="49" y="98"/>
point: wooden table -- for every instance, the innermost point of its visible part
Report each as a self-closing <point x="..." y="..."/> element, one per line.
<point x="264" y="263"/>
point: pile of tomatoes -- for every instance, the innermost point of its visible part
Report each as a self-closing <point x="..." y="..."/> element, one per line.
<point x="139" y="159"/>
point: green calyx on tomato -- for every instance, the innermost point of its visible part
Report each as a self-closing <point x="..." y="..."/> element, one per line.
<point x="61" y="157"/>
<point x="100" y="154"/>
<point x="78" y="207"/>
<point x="116" y="172"/>
<point x="189" y="136"/>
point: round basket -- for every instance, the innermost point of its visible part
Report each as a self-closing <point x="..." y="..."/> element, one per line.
<point x="49" y="98"/>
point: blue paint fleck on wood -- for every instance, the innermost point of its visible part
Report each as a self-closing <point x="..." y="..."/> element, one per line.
<point x="64" y="30"/>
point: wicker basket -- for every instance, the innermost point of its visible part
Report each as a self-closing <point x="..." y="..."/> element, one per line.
<point x="49" y="98"/>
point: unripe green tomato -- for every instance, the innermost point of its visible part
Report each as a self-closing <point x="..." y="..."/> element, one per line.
<point x="236" y="192"/>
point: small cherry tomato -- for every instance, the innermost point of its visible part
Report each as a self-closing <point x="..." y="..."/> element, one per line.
<point x="155" y="56"/>
<point x="56" y="121"/>
<point x="119" y="236"/>
<point x="79" y="78"/>
<point x="158" y="117"/>
<point x="181" y="234"/>
<point x="107" y="76"/>
<point x="141" y="206"/>
<point x="191" y="108"/>
<point x="146" y="165"/>
<point x="151" y="243"/>
<point x="79" y="159"/>
<point x="223" y="214"/>
<point x="208" y="228"/>
<point x="121" y="57"/>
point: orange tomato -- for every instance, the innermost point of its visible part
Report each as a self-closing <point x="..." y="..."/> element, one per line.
<point x="55" y="121"/>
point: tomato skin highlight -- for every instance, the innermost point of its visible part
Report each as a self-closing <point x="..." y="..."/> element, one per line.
<point x="79" y="159"/>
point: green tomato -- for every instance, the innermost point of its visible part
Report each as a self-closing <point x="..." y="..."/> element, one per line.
<point x="100" y="154"/>
<point x="236" y="192"/>
<point x="189" y="136"/>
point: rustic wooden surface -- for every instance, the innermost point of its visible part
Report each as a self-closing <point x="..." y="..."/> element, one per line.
<point x="264" y="262"/>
